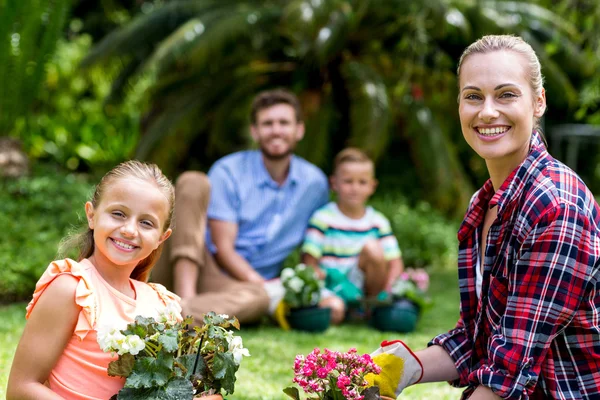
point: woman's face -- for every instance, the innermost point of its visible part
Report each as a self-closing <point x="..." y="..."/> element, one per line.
<point x="497" y="107"/>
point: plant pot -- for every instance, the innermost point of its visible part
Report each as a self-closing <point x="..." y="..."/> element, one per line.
<point x="310" y="319"/>
<point x="400" y="316"/>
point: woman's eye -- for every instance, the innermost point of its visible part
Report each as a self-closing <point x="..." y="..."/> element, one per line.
<point x="118" y="214"/>
<point x="148" y="223"/>
<point x="508" y="95"/>
<point x="472" y="96"/>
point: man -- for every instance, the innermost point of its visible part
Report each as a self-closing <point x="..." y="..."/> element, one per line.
<point x="255" y="204"/>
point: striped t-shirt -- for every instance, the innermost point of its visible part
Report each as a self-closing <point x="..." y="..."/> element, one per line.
<point x="336" y="240"/>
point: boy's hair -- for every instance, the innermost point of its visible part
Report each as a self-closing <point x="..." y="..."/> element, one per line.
<point x="270" y="98"/>
<point x="84" y="241"/>
<point x="349" y="155"/>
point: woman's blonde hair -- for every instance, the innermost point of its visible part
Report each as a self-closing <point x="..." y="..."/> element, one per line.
<point x="84" y="241"/>
<point x="490" y="43"/>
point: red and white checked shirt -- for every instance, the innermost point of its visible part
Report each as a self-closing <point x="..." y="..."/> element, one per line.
<point x="535" y="331"/>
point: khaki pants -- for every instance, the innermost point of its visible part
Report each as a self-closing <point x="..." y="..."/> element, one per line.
<point x="216" y="291"/>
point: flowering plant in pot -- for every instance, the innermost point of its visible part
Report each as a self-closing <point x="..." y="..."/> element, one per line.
<point x="412" y="285"/>
<point x="400" y="311"/>
<point x="302" y="295"/>
<point x="164" y="358"/>
<point x="332" y="375"/>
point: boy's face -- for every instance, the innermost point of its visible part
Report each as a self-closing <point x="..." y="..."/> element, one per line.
<point x="354" y="183"/>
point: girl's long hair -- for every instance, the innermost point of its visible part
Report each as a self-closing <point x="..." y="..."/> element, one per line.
<point x="84" y="240"/>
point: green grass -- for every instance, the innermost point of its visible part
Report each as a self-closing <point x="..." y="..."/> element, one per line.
<point x="269" y="369"/>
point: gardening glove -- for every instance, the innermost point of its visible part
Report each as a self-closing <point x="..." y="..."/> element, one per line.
<point x="400" y="368"/>
<point x="338" y="283"/>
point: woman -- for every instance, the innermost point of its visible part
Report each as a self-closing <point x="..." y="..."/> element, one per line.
<point x="529" y="251"/>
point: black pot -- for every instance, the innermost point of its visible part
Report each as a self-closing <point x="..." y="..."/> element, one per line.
<point x="400" y="316"/>
<point x="309" y="319"/>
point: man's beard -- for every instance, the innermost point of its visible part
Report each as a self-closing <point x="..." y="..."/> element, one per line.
<point x="276" y="157"/>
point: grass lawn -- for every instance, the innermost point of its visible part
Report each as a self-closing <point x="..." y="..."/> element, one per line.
<point x="269" y="369"/>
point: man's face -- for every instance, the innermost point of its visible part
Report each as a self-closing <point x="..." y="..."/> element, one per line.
<point x="277" y="131"/>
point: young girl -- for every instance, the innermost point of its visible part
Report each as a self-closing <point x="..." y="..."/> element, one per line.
<point x="58" y="357"/>
<point x="529" y="251"/>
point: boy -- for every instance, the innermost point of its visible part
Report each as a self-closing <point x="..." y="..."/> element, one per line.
<point x="350" y="244"/>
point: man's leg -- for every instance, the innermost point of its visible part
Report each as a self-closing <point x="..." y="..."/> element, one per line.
<point x="248" y="301"/>
<point x="372" y="263"/>
<point x="183" y="255"/>
<point x="195" y="275"/>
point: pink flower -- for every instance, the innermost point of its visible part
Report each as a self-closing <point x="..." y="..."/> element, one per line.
<point x="322" y="373"/>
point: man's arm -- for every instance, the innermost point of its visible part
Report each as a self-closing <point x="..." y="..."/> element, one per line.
<point x="224" y="234"/>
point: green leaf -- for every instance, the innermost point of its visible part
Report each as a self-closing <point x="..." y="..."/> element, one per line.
<point x="176" y="389"/>
<point x="169" y="340"/>
<point x="185" y="365"/>
<point x="224" y="369"/>
<point x="121" y="367"/>
<point x="293" y="392"/>
<point x="150" y="372"/>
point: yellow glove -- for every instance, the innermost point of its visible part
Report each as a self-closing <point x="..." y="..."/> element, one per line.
<point x="279" y="315"/>
<point x="400" y="368"/>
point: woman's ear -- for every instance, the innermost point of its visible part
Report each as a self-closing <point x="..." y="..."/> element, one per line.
<point x="540" y="104"/>
<point x="89" y="214"/>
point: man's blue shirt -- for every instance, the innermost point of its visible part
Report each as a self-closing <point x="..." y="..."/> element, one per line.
<point x="271" y="219"/>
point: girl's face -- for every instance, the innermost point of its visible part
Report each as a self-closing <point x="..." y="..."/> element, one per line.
<point x="128" y="222"/>
<point x="497" y="107"/>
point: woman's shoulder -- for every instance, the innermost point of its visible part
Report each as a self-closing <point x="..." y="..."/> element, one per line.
<point x="555" y="185"/>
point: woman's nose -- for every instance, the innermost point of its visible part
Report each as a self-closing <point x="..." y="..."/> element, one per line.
<point x="488" y="111"/>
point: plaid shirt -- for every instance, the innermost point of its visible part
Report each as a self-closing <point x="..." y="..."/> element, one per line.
<point x="535" y="331"/>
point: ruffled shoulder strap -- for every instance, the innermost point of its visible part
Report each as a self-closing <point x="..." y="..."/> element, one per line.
<point x="85" y="296"/>
<point x="165" y="295"/>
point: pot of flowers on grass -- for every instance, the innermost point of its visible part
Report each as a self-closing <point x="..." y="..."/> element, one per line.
<point x="302" y="295"/>
<point x="400" y="311"/>
<point x="165" y="358"/>
<point x="333" y="375"/>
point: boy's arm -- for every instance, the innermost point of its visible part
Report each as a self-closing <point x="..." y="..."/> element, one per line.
<point x="314" y="263"/>
<point x="224" y="234"/>
<point x="395" y="268"/>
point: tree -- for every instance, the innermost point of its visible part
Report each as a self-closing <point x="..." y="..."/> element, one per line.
<point x="369" y="73"/>
<point x="28" y="34"/>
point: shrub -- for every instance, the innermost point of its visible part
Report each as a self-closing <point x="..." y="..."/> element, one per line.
<point x="35" y="213"/>
<point x="426" y="237"/>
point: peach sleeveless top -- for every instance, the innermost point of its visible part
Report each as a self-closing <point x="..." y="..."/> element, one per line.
<point x="80" y="372"/>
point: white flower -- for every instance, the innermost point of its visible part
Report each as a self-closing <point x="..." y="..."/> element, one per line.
<point x="301" y="267"/>
<point x="236" y="347"/>
<point x="134" y="344"/>
<point x="224" y="316"/>
<point x="287" y="273"/>
<point x="170" y="314"/>
<point x="109" y="336"/>
<point x="296" y="284"/>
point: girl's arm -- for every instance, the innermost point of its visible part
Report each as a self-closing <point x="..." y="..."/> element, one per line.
<point x="46" y="334"/>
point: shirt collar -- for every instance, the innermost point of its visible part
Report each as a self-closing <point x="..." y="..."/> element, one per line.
<point x="263" y="177"/>
<point x="508" y="193"/>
